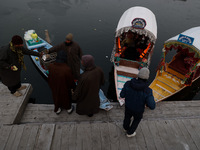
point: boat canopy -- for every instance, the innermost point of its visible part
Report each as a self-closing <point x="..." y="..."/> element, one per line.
<point x="140" y="20"/>
<point x="189" y="39"/>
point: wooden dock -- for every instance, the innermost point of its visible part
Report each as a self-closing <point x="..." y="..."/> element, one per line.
<point x="171" y="126"/>
<point x="11" y="107"/>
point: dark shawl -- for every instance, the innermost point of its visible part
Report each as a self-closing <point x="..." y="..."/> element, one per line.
<point x="61" y="82"/>
<point x="87" y="91"/>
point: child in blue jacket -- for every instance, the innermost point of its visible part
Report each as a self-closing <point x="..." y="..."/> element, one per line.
<point x="137" y="94"/>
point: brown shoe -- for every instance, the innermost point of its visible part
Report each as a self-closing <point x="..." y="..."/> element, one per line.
<point x="21" y="88"/>
<point x="17" y="94"/>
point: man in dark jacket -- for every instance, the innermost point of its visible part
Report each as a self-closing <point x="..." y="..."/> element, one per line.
<point x="137" y="94"/>
<point x="86" y="93"/>
<point x="74" y="54"/>
<point x="11" y="60"/>
<point x="61" y="82"/>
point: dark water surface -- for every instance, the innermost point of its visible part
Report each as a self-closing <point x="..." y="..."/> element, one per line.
<point x="93" y="23"/>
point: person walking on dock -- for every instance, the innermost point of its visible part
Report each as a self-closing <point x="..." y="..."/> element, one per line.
<point x="137" y="94"/>
<point x="74" y="54"/>
<point x="86" y="93"/>
<point x="11" y="61"/>
<point x="61" y="82"/>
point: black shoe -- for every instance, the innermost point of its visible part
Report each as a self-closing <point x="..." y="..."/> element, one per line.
<point x="90" y="115"/>
<point x="71" y="110"/>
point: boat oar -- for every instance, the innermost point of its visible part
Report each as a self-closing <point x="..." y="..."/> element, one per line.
<point x="47" y="36"/>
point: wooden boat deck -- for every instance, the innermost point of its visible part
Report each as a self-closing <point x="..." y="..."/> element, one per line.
<point x="126" y="70"/>
<point x="172" y="125"/>
<point x="165" y="85"/>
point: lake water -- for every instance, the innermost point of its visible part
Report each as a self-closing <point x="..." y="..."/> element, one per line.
<point x="93" y="23"/>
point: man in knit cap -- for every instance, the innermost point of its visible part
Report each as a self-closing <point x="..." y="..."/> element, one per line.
<point x="11" y="61"/>
<point x="74" y="54"/>
<point x="86" y="93"/>
<point x="137" y="94"/>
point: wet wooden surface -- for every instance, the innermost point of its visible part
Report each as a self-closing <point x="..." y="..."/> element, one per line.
<point x="172" y="125"/>
<point x="178" y="134"/>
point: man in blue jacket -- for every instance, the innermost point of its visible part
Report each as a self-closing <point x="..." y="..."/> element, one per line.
<point x="137" y="94"/>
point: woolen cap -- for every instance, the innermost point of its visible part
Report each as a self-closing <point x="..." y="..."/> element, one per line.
<point x="69" y="37"/>
<point x="17" y="40"/>
<point x="144" y="73"/>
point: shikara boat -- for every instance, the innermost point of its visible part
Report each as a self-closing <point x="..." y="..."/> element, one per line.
<point x="180" y="71"/>
<point x="135" y="38"/>
<point x="39" y="45"/>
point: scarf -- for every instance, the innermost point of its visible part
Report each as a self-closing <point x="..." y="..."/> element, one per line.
<point x="19" y="54"/>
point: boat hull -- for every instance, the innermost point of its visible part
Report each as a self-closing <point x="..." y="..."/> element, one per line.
<point x="36" y="60"/>
<point x="125" y="71"/>
<point x="186" y="93"/>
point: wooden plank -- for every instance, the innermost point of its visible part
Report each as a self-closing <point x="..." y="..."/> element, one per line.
<point x="18" y="136"/>
<point x="45" y="137"/>
<point x="162" y="133"/>
<point x="155" y="135"/>
<point x="132" y="143"/>
<point x="196" y="124"/>
<point x="72" y="136"/>
<point x="118" y="138"/>
<point x="178" y="134"/>
<point x="25" y="137"/>
<point x="192" y="129"/>
<point x="105" y="139"/>
<point x="83" y="136"/>
<point x="34" y="132"/>
<point x="173" y="139"/>
<point x="21" y="109"/>
<point x="68" y="137"/>
<point x="4" y="135"/>
<point x="140" y="139"/>
<point x="186" y="134"/>
<point x="56" y="141"/>
<point x="96" y="136"/>
<point x="14" y="138"/>
<point x="47" y="38"/>
<point x="65" y="137"/>
<point x="147" y="135"/>
<point x="12" y="107"/>
<point x="114" y="135"/>
<point x="87" y="139"/>
<point x="123" y="139"/>
<point x="164" y="110"/>
<point x="80" y="135"/>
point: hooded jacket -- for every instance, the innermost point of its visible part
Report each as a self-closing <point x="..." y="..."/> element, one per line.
<point x="137" y="94"/>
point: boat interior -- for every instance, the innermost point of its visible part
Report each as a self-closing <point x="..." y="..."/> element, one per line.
<point x="170" y="80"/>
<point x="181" y="63"/>
<point x="132" y="45"/>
